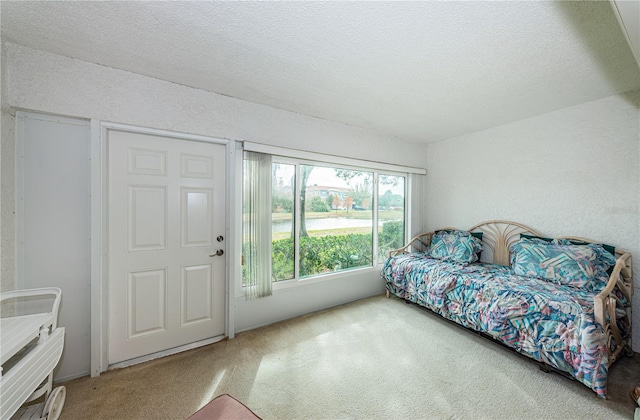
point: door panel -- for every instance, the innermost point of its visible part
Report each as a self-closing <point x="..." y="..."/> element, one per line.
<point x="147" y="302"/>
<point x="147" y="162"/>
<point x="166" y="204"/>
<point x="196" y="294"/>
<point x="194" y="166"/>
<point x="147" y="218"/>
<point x="197" y="216"/>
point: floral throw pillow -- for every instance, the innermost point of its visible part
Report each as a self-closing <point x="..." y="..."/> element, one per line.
<point x="456" y="246"/>
<point x="581" y="266"/>
<point x="605" y="262"/>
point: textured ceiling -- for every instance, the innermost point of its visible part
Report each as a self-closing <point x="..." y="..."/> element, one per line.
<point x="424" y="71"/>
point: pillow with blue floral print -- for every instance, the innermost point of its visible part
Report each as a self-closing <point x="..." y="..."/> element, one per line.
<point x="562" y="262"/>
<point x="455" y="246"/>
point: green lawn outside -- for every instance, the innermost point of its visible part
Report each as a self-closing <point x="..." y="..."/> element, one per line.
<point x="351" y="214"/>
<point x="384" y="215"/>
<point x="327" y="232"/>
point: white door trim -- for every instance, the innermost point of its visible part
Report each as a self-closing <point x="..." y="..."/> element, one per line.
<point x="100" y="240"/>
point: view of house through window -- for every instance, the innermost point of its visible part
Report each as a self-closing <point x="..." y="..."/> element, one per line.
<point x="334" y="224"/>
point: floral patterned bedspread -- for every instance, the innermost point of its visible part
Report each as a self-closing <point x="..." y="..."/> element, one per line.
<point x="548" y="322"/>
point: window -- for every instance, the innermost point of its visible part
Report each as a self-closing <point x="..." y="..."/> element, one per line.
<point x="336" y="219"/>
<point x="282" y="221"/>
<point x="391" y="213"/>
<point x="323" y="218"/>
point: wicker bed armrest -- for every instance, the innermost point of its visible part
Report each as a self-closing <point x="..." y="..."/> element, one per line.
<point x="606" y="302"/>
<point x="419" y="243"/>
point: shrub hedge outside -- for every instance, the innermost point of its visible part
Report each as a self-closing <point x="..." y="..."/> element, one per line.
<point x="324" y="254"/>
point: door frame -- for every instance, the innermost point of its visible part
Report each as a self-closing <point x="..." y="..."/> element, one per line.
<point x="100" y="239"/>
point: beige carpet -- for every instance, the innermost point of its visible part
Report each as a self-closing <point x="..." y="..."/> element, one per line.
<point x="376" y="358"/>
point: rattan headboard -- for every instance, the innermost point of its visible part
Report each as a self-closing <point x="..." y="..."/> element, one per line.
<point x="497" y="236"/>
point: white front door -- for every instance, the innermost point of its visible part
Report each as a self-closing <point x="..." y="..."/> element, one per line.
<point x="166" y="221"/>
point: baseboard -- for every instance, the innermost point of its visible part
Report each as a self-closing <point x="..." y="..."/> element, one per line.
<point x="68" y="378"/>
<point x="319" y="309"/>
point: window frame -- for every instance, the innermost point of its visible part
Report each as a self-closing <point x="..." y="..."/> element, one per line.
<point x="297" y="158"/>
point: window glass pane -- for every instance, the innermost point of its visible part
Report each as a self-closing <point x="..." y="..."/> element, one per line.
<point x="391" y="214"/>
<point x="336" y="228"/>
<point x="282" y="210"/>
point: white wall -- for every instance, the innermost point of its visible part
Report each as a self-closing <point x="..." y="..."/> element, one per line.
<point x="54" y="224"/>
<point x="51" y="83"/>
<point x="7" y="202"/>
<point x="571" y="172"/>
<point x="59" y="85"/>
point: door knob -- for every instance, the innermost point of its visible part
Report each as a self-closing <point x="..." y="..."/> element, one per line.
<point x="217" y="254"/>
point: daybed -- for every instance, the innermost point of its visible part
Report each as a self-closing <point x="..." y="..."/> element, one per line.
<point x="577" y="328"/>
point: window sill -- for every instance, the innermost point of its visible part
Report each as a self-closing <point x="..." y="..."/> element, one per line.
<point x="286" y="284"/>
